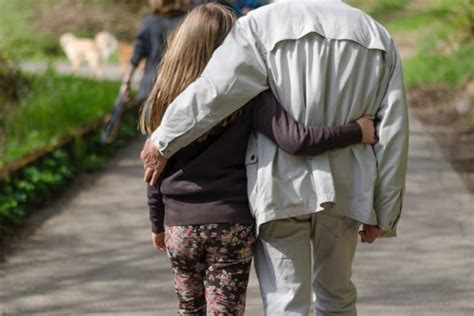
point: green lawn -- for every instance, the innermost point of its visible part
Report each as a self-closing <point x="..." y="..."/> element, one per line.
<point x="55" y="106"/>
<point x="30" y="29"/>
<point x="22" y="36"/>
<point x="380" y="8"/>
<point x="445" y="25"/>
<point x="432" y="68"/>
<point x="430" y="23"/>
<point x="19" y="36"/>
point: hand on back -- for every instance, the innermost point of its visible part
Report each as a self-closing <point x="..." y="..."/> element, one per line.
<point x="153" y="162"/>
<point x="366" y="123"/>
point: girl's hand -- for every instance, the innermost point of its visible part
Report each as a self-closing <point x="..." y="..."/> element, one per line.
<point x="366" y="123"/>
<point x="158" y="241"/>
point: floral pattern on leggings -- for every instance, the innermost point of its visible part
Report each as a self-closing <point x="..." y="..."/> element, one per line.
<point x="211" y="264"/>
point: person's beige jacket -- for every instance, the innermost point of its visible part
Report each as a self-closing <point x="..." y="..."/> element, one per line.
<point x="328" y="64"/>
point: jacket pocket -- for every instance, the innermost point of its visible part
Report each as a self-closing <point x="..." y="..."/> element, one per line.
<point x="251" y="165"/>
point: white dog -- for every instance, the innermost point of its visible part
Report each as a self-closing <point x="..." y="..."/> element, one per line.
<point x="93" y="51"/>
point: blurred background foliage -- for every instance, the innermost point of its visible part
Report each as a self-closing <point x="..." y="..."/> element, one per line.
<point x="30" y="28"/>
<point x="53" y="107"/>
<point x="441" y="33"/>
<point x="435" y="37"/>
<point x="442" y="30"/>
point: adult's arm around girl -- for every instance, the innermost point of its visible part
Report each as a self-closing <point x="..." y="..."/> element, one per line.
<point x="234" y="75"/>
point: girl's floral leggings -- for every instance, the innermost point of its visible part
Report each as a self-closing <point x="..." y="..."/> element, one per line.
<point x="211" y="264"/>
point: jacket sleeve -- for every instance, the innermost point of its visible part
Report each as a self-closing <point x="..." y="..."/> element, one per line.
<point x="391" y="151"/>
<point x="141" y="47"/>
<point x="272" y="120"/>
<point x="157" y="208"/>
<point x="234" y="75"/>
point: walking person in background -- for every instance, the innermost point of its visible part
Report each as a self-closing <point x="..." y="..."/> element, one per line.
<point x="150" y="43"/>
<point x="327" y="63"/>
<point x="242" y="7"/>
<point x="194" y="3"/>
<point x="201" y="199"/>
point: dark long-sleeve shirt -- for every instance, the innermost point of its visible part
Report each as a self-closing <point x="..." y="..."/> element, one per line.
<point x="206" y="181"/>
<point x="149" y="44"/>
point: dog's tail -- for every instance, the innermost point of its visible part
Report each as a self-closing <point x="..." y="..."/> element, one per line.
<point x="107" y="43"/>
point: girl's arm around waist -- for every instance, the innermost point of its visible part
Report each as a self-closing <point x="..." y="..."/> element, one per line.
<point x="273" y="121"/>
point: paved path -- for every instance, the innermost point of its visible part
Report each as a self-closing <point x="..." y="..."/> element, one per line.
<point x="93" y="255"/>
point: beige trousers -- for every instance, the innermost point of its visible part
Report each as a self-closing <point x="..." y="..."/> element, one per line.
<point x="314" y="251"/>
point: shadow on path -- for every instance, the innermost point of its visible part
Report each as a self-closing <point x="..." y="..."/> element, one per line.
<point x="93" y="254"/>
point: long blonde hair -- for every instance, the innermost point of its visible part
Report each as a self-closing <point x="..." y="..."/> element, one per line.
<point x="189" y="48"/>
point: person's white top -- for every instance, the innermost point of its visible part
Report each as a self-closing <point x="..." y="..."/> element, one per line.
<point x="328" y="64"/>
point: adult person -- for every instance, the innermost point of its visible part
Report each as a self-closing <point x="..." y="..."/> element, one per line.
<point x="194" y="3"/>
<point x="201" y="199"/>
<point x="150" y="43"/>
<point x="327" y="63"/>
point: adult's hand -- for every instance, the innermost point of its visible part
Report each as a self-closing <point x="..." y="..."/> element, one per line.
<point x="366" y="124"/>
<point x="369" y="233"/>
<point x="158" y="241"/>
<point x="153" y="162"/>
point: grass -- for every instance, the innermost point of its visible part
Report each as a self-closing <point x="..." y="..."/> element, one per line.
<point x="444" y="25"/>
<point x="430" y="23"/>
<point x="418" y="20"/>
<point x="379" y="9"/>
<point x="400" y="16"/>
<point x="22" y="37"/>
<point x="386" y="7"/>
<point x="22" y="192"/>
<point x="432" y="68"/>
<point x="18" y="35"/>
<point x="55" y="107"/>
<point x="30" y="29"/>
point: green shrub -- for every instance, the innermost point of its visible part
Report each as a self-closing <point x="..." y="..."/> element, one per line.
<point x="31" y="186"/>
<point x="13" y="84"/>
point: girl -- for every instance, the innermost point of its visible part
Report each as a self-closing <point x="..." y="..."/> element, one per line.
<point x="201" y="199"/>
